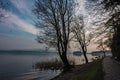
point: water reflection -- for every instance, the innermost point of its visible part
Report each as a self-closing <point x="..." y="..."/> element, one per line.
<point x="19" y="67"/>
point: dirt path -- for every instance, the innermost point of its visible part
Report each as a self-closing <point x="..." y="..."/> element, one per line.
<point x="111" y="69"/>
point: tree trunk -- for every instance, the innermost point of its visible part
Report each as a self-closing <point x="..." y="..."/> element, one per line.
<point x="116" y="43"/>
<point x="65" y="62"/>
<point x="104" y="53"/>
<point x="86" y="59"/>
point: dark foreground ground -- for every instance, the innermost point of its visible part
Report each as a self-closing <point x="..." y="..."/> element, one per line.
<point x="111" y="69"/>
<point x="90" y="71"/>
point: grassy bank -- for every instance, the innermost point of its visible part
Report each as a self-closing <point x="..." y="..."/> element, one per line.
<point x="93" y="72"/>
<point x="90" y="71"/>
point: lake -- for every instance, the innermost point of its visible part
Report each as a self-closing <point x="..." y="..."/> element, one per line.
<point x="18" y="65"/>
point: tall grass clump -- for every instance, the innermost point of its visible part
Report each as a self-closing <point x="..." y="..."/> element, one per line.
<point x="54" y="64"/>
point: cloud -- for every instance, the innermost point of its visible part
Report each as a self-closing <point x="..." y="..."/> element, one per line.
<point x="3" y="13"/>
<point x="18" y="23"/>
<point x="24" y="7"/>
<point x="22" y="24"/>
<point x="20" y="4"/>
<point x="81" y="8"/>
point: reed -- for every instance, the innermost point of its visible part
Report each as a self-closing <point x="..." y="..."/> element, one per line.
<point x="54" y="64"/>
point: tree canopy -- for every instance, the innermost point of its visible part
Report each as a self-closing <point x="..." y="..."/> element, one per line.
<point x="54" y="21"/>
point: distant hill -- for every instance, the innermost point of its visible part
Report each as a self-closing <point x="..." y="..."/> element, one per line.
<point x="100" y="53"/>
<point x="77" y="53"/>
<point x="27" y="52"/>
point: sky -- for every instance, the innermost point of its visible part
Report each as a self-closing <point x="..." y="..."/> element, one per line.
<point x="17" y="28"/>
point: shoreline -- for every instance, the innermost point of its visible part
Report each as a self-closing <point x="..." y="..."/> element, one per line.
<point x="90" y="71"/>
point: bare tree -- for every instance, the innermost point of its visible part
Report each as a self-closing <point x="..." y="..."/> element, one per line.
<point x="55" y="17"/>
<point x="81" y="35"/>
<point x="111" y="24"/>
<point x="101" y="45"/>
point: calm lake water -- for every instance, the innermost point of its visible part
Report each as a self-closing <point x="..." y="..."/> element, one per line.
<point x="17" y="65"/>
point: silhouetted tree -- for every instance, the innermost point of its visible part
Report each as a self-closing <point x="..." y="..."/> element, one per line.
<point x="113" y="23"/>
<point x="81" y="35"/>
<point x="101" y="45"/>
<point x="55" y="17"/>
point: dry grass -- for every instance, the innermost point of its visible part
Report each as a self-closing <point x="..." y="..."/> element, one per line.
<point x="52" y="64"/>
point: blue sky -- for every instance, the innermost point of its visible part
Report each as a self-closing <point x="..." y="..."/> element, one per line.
<point x="17" y="28"/>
